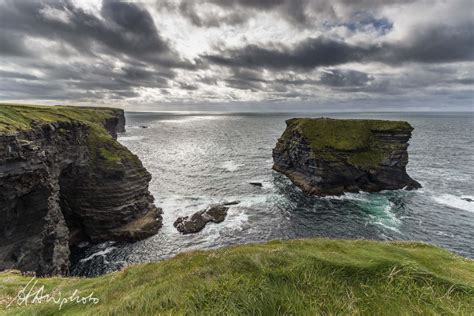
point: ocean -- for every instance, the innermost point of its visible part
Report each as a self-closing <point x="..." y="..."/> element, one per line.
<point x="197" y="159"/>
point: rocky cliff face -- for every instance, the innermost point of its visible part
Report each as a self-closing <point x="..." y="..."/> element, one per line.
<point x="329" y="157"/>
<point x="64" y="179"/>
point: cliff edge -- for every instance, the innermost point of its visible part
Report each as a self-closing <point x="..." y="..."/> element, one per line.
<point x="326" y="156"/>
<point x="64" y="179"/>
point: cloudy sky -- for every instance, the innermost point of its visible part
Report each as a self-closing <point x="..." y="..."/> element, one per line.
<point x="240" y="54"/>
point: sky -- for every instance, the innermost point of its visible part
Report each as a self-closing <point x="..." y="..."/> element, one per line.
<point x="240" y="55"/>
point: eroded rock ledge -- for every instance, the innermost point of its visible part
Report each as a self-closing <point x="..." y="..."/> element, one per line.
<point x="331" y="156"/>
<point x="64" y="179"/>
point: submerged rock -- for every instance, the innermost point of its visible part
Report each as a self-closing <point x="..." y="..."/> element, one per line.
<point x="197" y="221"/>
<point x="64" y="181"/>
<point x="331" y="156"/>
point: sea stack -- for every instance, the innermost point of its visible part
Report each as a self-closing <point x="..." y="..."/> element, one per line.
<point x="326" y="156"/>
<point x="64" y="179"/>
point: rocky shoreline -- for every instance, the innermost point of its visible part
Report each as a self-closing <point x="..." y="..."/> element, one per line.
<point x="64" y="179"/>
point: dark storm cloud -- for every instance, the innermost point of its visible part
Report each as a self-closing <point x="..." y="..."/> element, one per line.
<point x="123" y="28"/>
<point x="339" y="79"/>
<point x="188" y="86"/>
<point x="62" y="90"/>
<point x="13" y="46"/>
<point x="82" y="79"/>
<point x="433" y="44"/>
<point x="124" y="31"/>
<point x="430" y="45"/>
<point x="17" y="75"/>
<point x="307" y="54"/>
<point x="189" y="10"/>
<point x="345" y="78"/>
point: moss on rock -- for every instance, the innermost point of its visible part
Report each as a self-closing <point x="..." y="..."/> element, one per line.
<point x="355" y="137"/>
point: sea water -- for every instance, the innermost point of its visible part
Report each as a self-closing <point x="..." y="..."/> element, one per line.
<point x="197" y="159"/>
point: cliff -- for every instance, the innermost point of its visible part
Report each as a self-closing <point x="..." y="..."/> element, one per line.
<point x="297" y="277"/>
<point x="331" y="156"/>
<point x="64" y="179"/>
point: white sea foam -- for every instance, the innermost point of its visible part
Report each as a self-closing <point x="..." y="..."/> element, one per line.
<point x="386" y="218"/>
<point x="100" y="253"/>
<point x="441" y="233"/>
<point x="130" y="138"/>
<point x="455" y="201"/>
<point x="231" y="165"/>
<point x="254" y="200"/>
<point x="348" y="196"/>
<point x="236" y="220"/>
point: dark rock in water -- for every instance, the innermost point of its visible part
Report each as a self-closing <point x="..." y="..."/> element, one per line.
<point x="467" y="199"/>
<point x="197" y="221"/>
<point x="231" y="203"/>
<point x="331" y="156"/>
<point x="67" y="182"/>
<point x="257" y="184"/>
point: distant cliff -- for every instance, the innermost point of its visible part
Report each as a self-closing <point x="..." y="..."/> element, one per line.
<point x="330" y="156"/>
<point x="64" y="179"/>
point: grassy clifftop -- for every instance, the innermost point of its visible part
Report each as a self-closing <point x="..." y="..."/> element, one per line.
<point x="102" y="146"/>
<point x="315" y="276"/>
<point x="355" y="137"/>
<point x="15" y="117"/>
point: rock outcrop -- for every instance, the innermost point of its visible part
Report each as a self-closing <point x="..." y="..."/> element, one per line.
<point x="331" y="156"/>
<point x="64" y="179"/>
<point x="196" y="222"/>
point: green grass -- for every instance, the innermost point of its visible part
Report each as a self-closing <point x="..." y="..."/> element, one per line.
<point x="354" y="137"/>
<point x="15" y="117"/>
<point x="298" y="277"/>
<point x="104" y="150"/>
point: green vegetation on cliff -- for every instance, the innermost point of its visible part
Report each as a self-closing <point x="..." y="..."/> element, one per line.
<point x="103" y="148"/>
<point x="15" y="117"/>
<point x="353" y="136"/>
<point x="298" y="277"/>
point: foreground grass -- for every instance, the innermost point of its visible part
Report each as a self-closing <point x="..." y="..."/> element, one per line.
<point x="314" y="276"/>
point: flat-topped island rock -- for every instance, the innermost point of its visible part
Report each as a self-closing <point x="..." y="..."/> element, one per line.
<point x="326" y="156"/>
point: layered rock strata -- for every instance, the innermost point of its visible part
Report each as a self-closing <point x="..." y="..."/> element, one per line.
<point x="64" y="179"/>
<point x="330" y="156"/>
